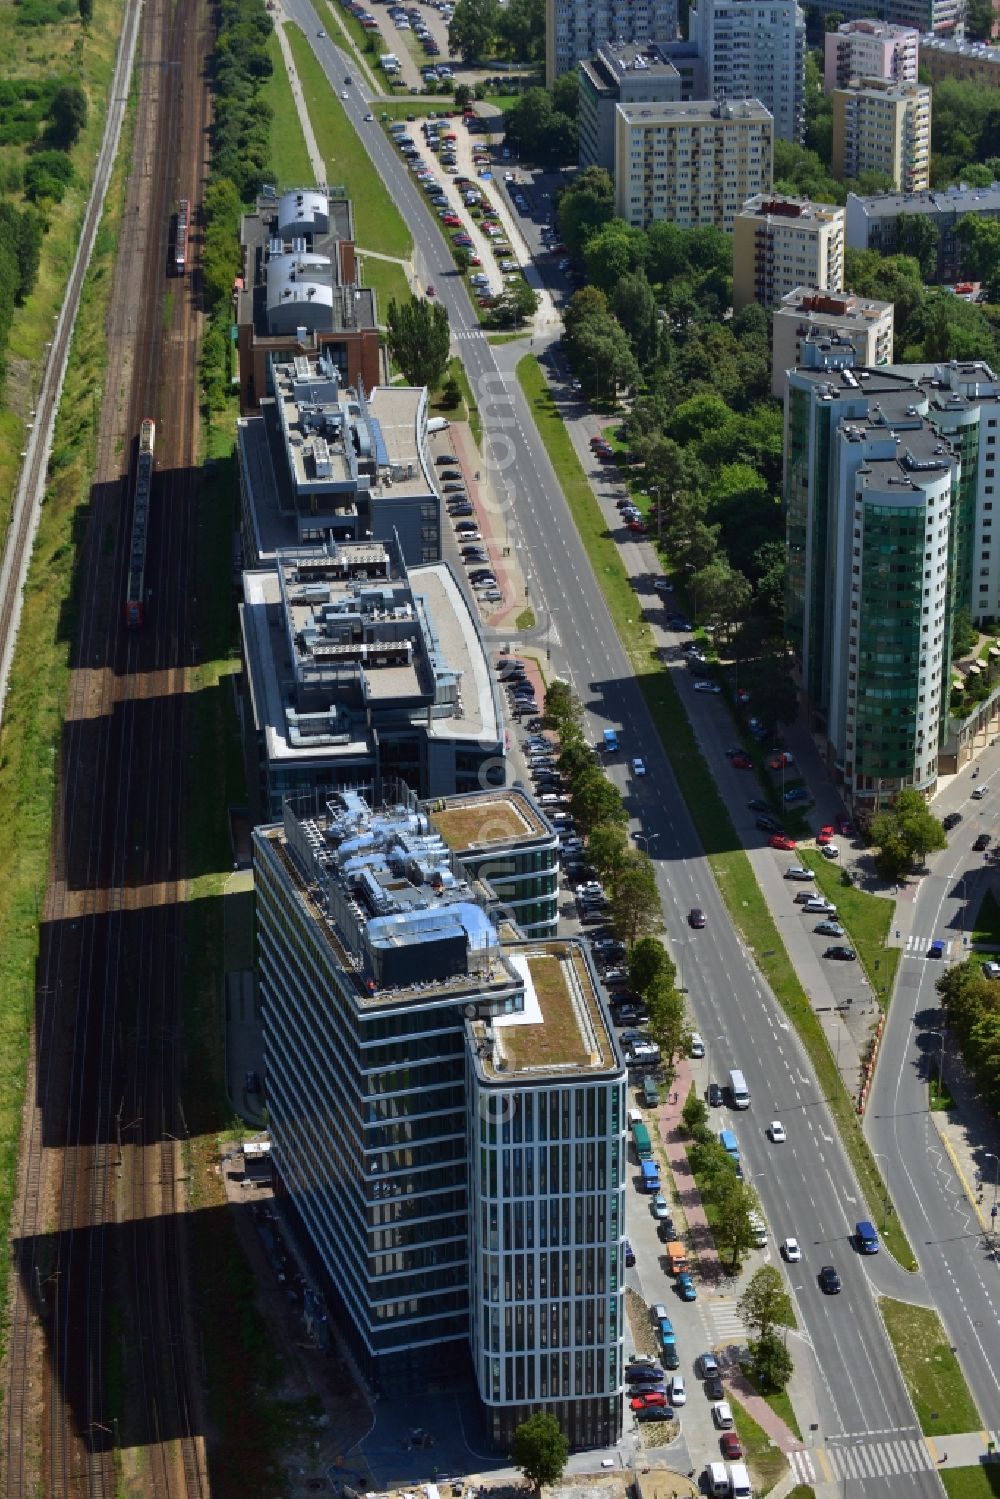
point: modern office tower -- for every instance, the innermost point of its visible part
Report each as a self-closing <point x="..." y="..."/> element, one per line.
<point x="322" y="461"/>
<point x="575" y="29"/>
<point x="755" y="49"/>
<point x="882" y="126"/>
<point x="358" y="669"/>
<point x="889" y="493"/>
<point x="970" y="62"/>
<point x="780" y="243"/>
<point x="619" y="73"/>
<point x="695" y="163"/>
<point x="299" y="293"/>
<point x="446" y="1103"/>
<point x="810" y="312"/>
<point x="870" y="49"/>
<point x="873" y="223"/>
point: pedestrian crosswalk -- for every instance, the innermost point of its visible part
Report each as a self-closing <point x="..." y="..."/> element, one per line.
<point x="857" y="1458"/>
<point x="917" y="946"/>
<point x="727" y="1324"/>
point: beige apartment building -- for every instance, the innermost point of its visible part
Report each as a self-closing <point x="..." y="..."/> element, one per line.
<point x="812" y="312"/>
<point x="883" y="126"/>
<point x="693" y="163"/>
<point x="968" y="62"/>
<point x="780" y="243"/>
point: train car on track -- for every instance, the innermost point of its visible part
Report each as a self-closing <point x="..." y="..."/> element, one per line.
<point x="181" y="238"/>
<point x="135" y="598"/>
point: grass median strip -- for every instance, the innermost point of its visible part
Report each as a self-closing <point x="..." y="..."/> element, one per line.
<point x="937" y="1386"/>
<point x="289" y="157"/>
<point x="377" y="221"/>
<point x="865" y="918"/>
<point x="767" y="1463"/>
<point x="730" y="865"/>
<point x="968" y="1483"/>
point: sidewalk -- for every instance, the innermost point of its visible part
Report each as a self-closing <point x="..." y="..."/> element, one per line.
<point x="492" y="520"/>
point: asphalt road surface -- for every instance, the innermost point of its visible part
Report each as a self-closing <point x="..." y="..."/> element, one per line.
<point x="958" y="1261"/>
<point x="810" y="1190"/>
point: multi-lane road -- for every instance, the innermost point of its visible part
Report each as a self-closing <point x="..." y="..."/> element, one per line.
<point x="807" y="1188"/>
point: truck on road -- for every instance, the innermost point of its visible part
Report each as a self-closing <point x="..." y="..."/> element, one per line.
<point x="650" y="1176"/>
<point x="641" y="1141"/>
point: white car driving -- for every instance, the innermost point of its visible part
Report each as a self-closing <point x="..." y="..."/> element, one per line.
<point x="791" y="1251"/>
<point x="777" y="1132"/>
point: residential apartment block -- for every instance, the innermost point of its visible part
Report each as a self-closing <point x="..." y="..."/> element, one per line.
<point x="693" y="163"/>
<point x="780" y="243"/>
<point x="576" y="29"/>
<point x="447" y="1109"/>
<point x="755" y="49"/>
<point x="942" y="17"/>
<point x="624" y="73"/>
<point x="969" y="62"/>
<point x="300" y="295"/>
<point x="889" y="493"/>
<point x="324" y="461"/>
<point x="883" y="126"/>
<point x="870" y="49"/>
<point x="861" y="324"/>
<point x="873" y="223"/>
<point x="359" y="669"/>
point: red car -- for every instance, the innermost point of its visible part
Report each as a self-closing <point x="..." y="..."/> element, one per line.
<point x="645" y="1402"/>
<point x="843" y="826"/>
<point x="474" y="260"/>
<point x="741" y="761"/>
<point x="452" y="220"/>
<point x="598" y="442"/>
<point x="637" y="526"/>
<point x="825" y="834"/>
<point x="781" y="758"/>
<point x="782" y="841"/>
<point x="730" y="1446"/>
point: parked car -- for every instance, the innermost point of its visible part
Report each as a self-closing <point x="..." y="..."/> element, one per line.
<point x="841" y="954"/>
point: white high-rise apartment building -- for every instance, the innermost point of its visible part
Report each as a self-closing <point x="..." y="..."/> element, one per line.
<point x="755" y="49"/>
<point x="576" y="29"/>
<point x="882" y="126"/>
<point x="870" y="49"/>
<point x="694" y="164"/>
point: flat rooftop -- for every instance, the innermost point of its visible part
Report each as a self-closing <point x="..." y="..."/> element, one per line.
<point x="847" y="308"/>
<point x="504" y="816"/>
<point x="956" y="200"/>
<point x="397" y="409"/>
<point x="787" y="210"/>
<point x="694" y="111"/>
<point x="563" y="1026"/>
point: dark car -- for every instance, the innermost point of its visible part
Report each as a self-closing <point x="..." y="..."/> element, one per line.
<point x="454" y="488"/>
<point x="730" y="1446"/>
<point x="696" y="918"/>
<point x="829" y="1280"/>
<point x="714" y="1096"/>
<point x="629" y="1254"/>
<point x="450" y="473"/>
<point x="714" y="1388"/>
<point x="769" y="824"/>
<point x="841" y="954"/>
<point x="982" y="842"/>
<point x="756" y="805"/>
<point x="951" y="821"/>
<point x="655" y="1413"/>
<point x="444" y="458"/>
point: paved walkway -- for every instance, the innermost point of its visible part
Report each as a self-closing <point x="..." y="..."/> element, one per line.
<point x="315" y="155"/>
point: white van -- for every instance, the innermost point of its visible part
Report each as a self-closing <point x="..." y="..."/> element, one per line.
<point x="758" y="1229"/>
<point x="739" y="1093"/>
<point x="739" y="1481"/>
<point x="716" y="1481"/>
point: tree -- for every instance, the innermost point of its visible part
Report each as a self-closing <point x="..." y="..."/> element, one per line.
<point x="734" y="1202"/>
<point x="613" y="252"/>
<point x="563" y="710"/>
<point x="603" y="358"/>
<point x="418" y="337"/>
<point x="535" y="128"/>
<point x="905" y="834"/>
<point x="518" y="303"/>
<point x="666" y="1024"/>
<point x="540" y="1450"/>
<point x="649" y="964"/>
<point x="717" y="591"/>
<point x="585" y="206"/>
<point x="608" y="849"/>
<point x="67" y="116"/>
<point x="770" y="1363"/>
<point x="86" y="8"/>
<point x="596" y="800"/>
<point x="522" y="30"/>
<point x="635" y="900"/>
<point x="634" y="306"/>
<point x="472" y="30"/>
<point x="585" y="305"/>
<point x="694" y="1115"/>
<point x="765" y="1304"/>
<point x="980" y="241"/>
<point x="463" y="96"/>
<point x="918" y="236"/>
<point x="566" y="92"/>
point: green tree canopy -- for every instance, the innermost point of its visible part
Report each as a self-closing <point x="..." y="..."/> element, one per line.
<point x="473" y="29"/>
<point x="765" y="1303"/>
<point x="418" y="336"/>
<point x="770" y="1363"/>
<point x="649" y="964"/>
<point x="608" y="848"/>
<point x="540" y="1450"/>
<point x="595" y="800"/>
<point x="612" y="252"/>
<point x="635" y="900"/>
<point x="586" y="205"/>
<point x="67" y="116"/>
<point x="634" y="305"/>
<point x="904" y="834"/>
<point x="535" y="128"/>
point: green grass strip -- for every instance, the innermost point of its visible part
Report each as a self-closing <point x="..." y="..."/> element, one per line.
<point x="288" y="155"/>
<point x="377" y="221"/>
<point x="969" y="1483"/>
<point x="767" y="1463"/>
<point x="937" y="1386"/>
<point x="865" y="918"/>
<point x="734" y="876"/>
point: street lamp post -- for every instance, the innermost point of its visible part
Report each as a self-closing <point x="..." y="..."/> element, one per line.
<point x="940" y="1067"/>
<point x="548" y="632"/>
<point x="645" y="839"/>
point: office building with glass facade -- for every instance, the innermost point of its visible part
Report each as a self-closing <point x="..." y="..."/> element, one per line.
<point x="888" y="519"/>
<point x="446" y="1105"/>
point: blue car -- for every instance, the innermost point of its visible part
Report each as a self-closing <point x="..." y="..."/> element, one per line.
<point x="798" y="794"/>
<point x="686" y="1288"/>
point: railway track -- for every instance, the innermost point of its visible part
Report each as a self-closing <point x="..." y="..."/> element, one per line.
<point x="101" y="1377"/>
